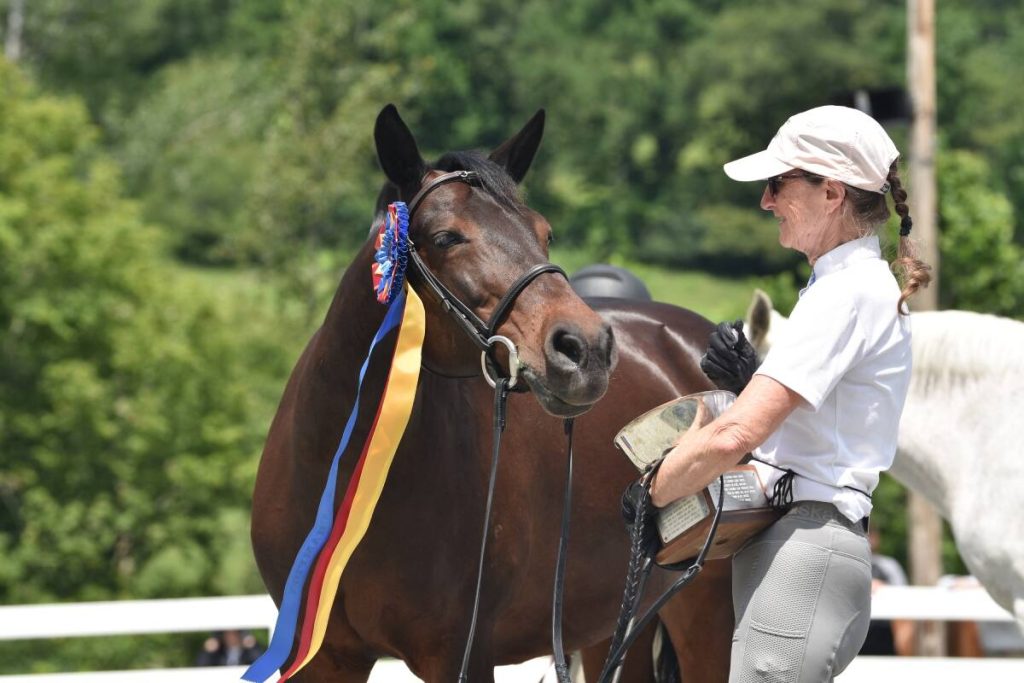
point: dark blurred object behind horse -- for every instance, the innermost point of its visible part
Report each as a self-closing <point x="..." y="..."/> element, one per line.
<point x="602" y="280"/>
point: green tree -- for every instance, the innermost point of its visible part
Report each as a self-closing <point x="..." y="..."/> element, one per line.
<point x="131" y="416"/>
<point x="192" y="148"/>
<point x="979" y="52"/>
<point x="982" y="268"/>
<point x="106" y="51"/>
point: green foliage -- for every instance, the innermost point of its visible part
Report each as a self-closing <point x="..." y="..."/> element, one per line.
<point x="982" y="269"/>
<point x="316" y="181"/>
<point x="981" y="48"/>
<point x="60" y="655"/>
<point x="105" y="51"/>
<point x="889" y="517"/>
<point x="718" y="238"/>
<point x="716" y="298"/>
<point x="132" y="417"/>
<point x="191" y="151"/>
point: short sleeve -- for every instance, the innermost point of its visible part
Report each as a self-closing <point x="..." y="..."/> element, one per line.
<point x="820" y="343"/>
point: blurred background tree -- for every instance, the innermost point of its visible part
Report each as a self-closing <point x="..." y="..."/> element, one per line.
<point x="181" y="183"/>
<point x="132" y="400"/>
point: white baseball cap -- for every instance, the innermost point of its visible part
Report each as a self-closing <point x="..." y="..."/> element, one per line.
<point x="835" y="142"/>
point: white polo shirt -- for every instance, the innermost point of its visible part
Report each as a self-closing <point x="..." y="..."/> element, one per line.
<point x="846" y="351"/>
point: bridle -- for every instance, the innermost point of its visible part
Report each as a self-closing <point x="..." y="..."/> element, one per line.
<point x="480" y="333"/>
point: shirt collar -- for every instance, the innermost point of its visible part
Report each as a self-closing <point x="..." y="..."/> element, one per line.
<point x="846" y="254"/>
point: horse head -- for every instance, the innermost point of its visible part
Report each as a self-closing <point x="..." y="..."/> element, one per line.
<point x="478" y="240"/>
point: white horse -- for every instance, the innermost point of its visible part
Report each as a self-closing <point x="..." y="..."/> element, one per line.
<point x="959" y="438"/>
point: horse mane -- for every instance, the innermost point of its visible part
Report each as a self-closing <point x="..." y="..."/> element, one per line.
<point x="952" y="348"/>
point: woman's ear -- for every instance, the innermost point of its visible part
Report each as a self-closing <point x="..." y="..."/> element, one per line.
<point x="835" y="194"/>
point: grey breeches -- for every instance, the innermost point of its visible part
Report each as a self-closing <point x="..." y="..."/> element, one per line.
<point x="802" y="596"/>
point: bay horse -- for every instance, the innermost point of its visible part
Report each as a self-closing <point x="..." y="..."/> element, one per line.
<point x="958" y="434"/>
<point x="408" y="588"/>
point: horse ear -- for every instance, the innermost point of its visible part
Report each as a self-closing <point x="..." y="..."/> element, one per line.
<point x="396" y="149"/>
<point x="759" y="317"/>
<point x="516" y="154"/>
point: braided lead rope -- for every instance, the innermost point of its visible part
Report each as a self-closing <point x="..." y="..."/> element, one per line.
<point x="616" y="655"/>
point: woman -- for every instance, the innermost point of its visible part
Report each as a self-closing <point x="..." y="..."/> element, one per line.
<point x="820" y="415"/>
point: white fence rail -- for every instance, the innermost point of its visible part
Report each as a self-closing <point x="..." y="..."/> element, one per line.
<point x="136" y="617"/>
<point x="258" y="612"/>
<point x="926" y="603"/>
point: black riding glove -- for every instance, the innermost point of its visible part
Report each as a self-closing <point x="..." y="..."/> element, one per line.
<point x="730" y="360"/>
<point x="650" y="543"/>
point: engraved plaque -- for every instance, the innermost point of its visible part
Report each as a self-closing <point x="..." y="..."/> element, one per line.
<point x="680" y="515"/>
<point x="743" y="489"/>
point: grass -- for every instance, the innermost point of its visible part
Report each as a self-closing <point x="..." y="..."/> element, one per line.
<point x="716" y="298"/>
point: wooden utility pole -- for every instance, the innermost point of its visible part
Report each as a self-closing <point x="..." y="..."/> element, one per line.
<point x="923" y="199"/>
<point x="15" y="22"/>
<point x="925" y="523"/>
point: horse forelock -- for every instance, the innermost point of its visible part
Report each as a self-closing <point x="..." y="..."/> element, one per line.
<point x="493" y="178"/>
<point x="956" y="347"/>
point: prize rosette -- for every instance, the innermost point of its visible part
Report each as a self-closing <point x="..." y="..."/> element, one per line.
<point x="392" y="253"/>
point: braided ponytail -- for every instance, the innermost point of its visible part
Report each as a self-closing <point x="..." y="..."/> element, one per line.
<point x="910" y="270"/>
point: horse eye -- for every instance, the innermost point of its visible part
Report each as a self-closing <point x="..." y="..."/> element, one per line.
<point x="446" y="239"/>
<point x="551" y="238"/>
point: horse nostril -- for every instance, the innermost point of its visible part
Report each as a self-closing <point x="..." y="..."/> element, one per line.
<point x="570" y="346"/>
<point x="608" y="345"/>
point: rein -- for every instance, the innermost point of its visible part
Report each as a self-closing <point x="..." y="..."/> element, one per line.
<point x="501" y="391"/>
<point x="500" y="397"/>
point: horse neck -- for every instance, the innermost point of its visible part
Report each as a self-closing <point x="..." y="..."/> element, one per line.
<point x="352" y="319"/>
<point x="960" y="392"/>
<point x="920" y="468"/>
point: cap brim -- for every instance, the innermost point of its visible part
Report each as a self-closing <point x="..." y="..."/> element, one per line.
<point x="759" y="166"/>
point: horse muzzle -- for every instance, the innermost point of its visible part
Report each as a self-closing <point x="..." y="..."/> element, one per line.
<point x="576" y="369"/>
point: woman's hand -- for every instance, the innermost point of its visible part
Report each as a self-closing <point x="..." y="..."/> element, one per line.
<point x="730" y="360"/>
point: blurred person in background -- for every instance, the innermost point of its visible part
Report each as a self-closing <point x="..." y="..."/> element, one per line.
<point x="887" y="637"/>
<point x="229" y="648"/>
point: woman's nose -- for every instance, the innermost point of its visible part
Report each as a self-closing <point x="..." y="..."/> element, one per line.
<point x="767" y="200"/>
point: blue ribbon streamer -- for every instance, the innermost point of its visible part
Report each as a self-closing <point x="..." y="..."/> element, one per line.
<point x="287" y="618"/>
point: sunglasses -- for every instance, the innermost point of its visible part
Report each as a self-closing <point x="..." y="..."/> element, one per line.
<point x="775" y="182"/>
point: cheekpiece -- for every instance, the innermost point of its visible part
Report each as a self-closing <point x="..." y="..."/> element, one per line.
<point x="392" y="245"/>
